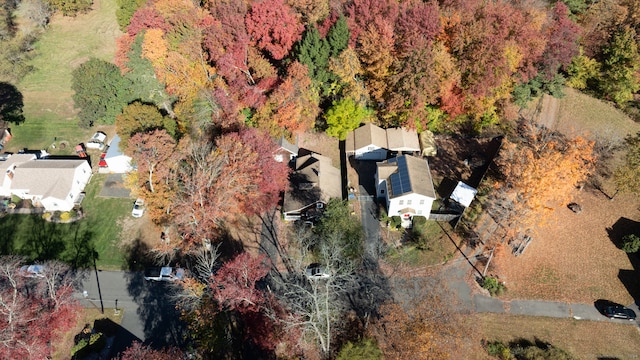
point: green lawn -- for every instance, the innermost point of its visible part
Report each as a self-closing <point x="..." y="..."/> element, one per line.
<point x="74" y="243"/>
<point x="441" y="249"/>
<point x="51" y="118"/>
<point x="48" y="106"/>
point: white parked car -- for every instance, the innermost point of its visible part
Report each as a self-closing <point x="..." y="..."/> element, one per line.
<point x="165" y="273"/>
<point x="32" y="271"/>
<point x="97" y="141"/>
<point x="316" y="271"/>
<point x="138" y="208"/>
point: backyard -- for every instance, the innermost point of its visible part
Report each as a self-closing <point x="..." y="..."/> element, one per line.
<point x="48" y="106"/>
<point x="575" y="257"/>
<point x="584" y="339"/>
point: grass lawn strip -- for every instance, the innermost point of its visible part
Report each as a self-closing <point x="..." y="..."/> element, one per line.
<point x="583" y="339"/>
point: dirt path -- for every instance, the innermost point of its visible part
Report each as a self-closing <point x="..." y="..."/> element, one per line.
<point x="548" y="111"/>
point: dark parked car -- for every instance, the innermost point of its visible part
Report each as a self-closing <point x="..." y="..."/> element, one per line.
<point x="619" y="312"/>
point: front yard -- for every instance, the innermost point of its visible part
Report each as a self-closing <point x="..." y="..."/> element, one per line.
<point x="98" y="233"/>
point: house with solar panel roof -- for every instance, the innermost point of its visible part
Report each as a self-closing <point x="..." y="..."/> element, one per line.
<point x="405" y="183"/>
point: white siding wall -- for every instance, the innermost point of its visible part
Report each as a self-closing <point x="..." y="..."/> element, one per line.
<point x="371" y="153"/>
<point x="420" y="203"/>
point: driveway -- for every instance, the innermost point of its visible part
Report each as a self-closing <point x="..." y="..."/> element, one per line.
<point x="114" y="187"/>
<point x="369" y="211"/>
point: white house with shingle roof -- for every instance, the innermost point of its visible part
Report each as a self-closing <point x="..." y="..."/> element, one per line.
<point x="313" y="183"/>
<point x="370" y="142"/>
<point x="406" y="185"/>
<point x="54" y="184"/>
<point x="8" y="166"/>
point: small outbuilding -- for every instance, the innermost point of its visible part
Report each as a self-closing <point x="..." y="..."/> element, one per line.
<point x="113" y="160"/>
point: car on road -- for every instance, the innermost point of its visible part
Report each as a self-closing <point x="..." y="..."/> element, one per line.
<point x="32" y="271"/>
<point x="138" y="208"/>
<point x="619" y="312"/>
<point x="97" y="141"/>
<point x="316" y="271"/>
<point x="165" y="273"/>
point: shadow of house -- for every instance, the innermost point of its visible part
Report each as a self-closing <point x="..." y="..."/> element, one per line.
<point x="621" y="228"/>
<point x="157" y="312"/>
<point x="629" y="278"/>
<point x="122" y="337"/>
<point x="366" y="174"/>
<point x="314" y="181"/>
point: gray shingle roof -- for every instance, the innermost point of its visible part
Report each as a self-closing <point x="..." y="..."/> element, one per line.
<point x="407" y="175"/>
<point x="315" y="179"/>
<point x="46" y="177"/>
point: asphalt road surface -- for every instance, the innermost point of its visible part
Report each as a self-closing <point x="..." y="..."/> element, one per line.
<point x="149" y="314"/>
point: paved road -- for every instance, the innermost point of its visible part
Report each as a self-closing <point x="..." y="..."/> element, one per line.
<point x="455" y="275"/>
<point x="148" y="311"/>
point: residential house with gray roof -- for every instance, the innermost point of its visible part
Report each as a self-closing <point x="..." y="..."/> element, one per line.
<point x="313" y="183"/>
<point x="370" y="142"/>
<point x="50" y="183"/>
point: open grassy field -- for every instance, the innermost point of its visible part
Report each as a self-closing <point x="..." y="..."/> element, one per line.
<point x="580" y="114"/>
<point x="74" y="243"/>
<point x="48" y="106"/>
<point x="575" y="257"/>
<point x="583" y="339"/>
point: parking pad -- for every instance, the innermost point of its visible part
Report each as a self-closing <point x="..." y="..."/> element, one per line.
<point x="114" y="187"/>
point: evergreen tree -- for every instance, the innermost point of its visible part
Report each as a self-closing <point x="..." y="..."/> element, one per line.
<point x="314" y="52"/>
<point x="338" y="36"/>
<point x="619" y="78"/>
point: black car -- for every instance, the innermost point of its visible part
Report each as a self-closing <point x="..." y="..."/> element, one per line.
<point x="619" y="312"/>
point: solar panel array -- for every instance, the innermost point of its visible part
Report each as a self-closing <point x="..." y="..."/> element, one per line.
<point x="400" y="182"/>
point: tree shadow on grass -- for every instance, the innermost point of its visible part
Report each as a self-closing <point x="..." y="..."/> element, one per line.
<point x="45" y="241"/>
<point x="8" y="228"/>
<point x="71" y="243"/>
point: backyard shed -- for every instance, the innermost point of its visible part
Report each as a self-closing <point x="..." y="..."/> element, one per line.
<point x="114" y="160"/>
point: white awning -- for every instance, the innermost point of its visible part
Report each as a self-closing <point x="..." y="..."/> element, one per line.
<point x="463" y="194"/>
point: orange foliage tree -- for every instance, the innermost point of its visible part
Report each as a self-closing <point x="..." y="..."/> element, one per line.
<point x="424" y="329"/>
<point x="154" y="154"/>
<point x="538" y="173"/>
<point x="292" y="107"/>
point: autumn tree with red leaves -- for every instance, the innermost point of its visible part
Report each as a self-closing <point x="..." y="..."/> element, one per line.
<point x="274" y="27"/>
<point x="293" y="106"/>
<point x="34" y="311"/>
<point x="221" y="183"/>
<point x="236" y="308"/>
<point x="137" y="351"/>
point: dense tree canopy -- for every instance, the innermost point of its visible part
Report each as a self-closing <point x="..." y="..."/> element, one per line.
<point x="100" y="92"/>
